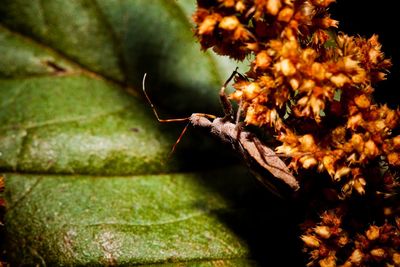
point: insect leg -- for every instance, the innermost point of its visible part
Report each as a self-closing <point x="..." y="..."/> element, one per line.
<point x="226" y="104"/>
<point x="153" y="107"/>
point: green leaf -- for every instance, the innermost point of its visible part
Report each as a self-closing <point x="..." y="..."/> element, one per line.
<point x="88" y="178"/>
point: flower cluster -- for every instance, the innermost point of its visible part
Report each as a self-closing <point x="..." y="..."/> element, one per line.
<point x="305" y="78"/>
<point x="327" y="243"/>
<point x="313" y="88"/>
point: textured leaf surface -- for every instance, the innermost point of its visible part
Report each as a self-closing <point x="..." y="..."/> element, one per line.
<point x="87" y="174"/>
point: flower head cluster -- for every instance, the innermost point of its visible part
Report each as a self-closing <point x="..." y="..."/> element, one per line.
<point x="312" y="86"/>
<point x="327" y="243"/>
<point x="324" y="240"/>
<point x="241" y="27"/>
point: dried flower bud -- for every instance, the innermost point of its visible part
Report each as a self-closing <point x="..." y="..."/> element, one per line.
<point x="378" y="253"/>
<point x="307" y="142"/>
<point x="318" y="71"/>
<point x="343" y="241"/>
<point x="328" y="162"/>
<point x="262" y="61"/>
<point x="251" y="90"/>
<point x="310" y="241"/>
<point x="329" y="261"/>
<point x="208" y="24"/>
<point x="396" y="142"/>
<point x="362" y="101"/>
<point x="308" y="162"/>
<point x="326" y="22"/>
<point x="286" y="67"/>
<point x="394" y="159"/>
<point x="339" y="80"/>
<point x="323" y="231"/>
<point x="273" y="7"/>
<point x="228" y="3"/>
<point x="356" y="257"/>
<point x="240" y="6"/>
<point x="396" y="259"/>
<point x="370" y="149"/>
<point x="323" y="3"/>
<point x="285" y="14"/>
<point x="373" y="232"/>
<point x="359" y="185"/>
<point x="229" y="23"/>
<point x="341" y="172"/>
<point x="357" y="142"/>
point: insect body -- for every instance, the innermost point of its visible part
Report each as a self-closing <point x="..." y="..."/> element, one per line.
<point x="230" y="131"/>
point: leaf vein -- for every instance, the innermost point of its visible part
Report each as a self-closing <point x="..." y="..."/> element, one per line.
<point x="81" y="118"/>
<point x="145" y="224"/>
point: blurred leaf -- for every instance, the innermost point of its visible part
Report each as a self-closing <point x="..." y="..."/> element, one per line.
<point x="88" y="181"/>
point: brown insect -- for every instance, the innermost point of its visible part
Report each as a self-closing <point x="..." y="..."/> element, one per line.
<point x="229" y="129"/>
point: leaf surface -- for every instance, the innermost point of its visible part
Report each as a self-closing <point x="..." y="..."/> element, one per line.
<point x="88" y="180"/>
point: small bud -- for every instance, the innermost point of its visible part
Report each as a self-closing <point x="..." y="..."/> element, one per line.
<point x="328" y="162"/>
<point x="362" y="101"/>
<point x="396" y="259"/>
<point x="303" y="101"/>
<point x="307" y="142"/>
<point x="285" y="14"/>
<point x="322" y="3"/>
<point x="396" y="142"/>
<point x="339" y="80"/>
<point x="240" y="6"/>
<point x="327" y="22"/>
<point x="262" y="60"/>
<point x="356" y="257"/>
<point x="252" y="46"/>
<point x="359" y="185"/>
<point x="394" y="159"/>
<point x="229" y="3"/>
<point x="354" y="121"/>
<point x="294" y="83"/>
<point x="373" y="232"/>
<point x="208" y="24"/>
<point x="378" y="253"/>
<point x="357" y="142"/>
<point x="343" y="241"/>
<point x="318" y="71"/>
<point x="286" y="67"/>
<point x="308" y="162"/>
<point x="251" y="90"/>
<point x="350" y="64"/>
<point x="341" y="172"/>
<point x="310" y="241"/>
<point x="323" y="231"/>
<point x="237" y="95"/>
<point x="229" y="23"/>
<point x="273" y="7"/>
<point x="370" y="149"/>
<point x="387" y="211"/>
<point x="307" y="85"/>
<point x="329" y="261"/>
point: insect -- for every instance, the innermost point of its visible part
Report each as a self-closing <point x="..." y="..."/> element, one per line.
<point x="230" y="130"/>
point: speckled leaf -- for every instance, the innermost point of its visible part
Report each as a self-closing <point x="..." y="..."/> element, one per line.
<point x="88" y="180"/>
